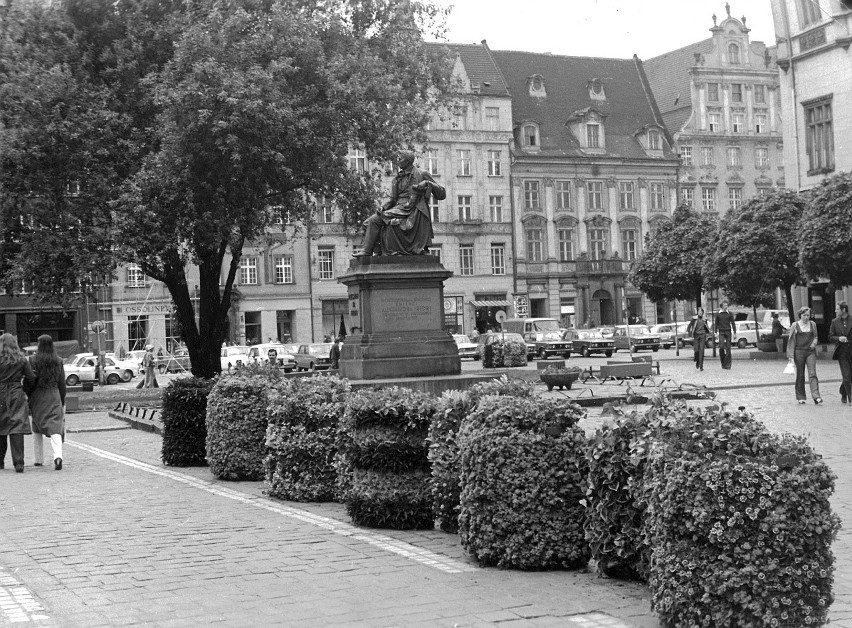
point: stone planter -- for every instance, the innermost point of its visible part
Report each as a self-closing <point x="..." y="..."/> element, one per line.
<point x="562" y="380"/>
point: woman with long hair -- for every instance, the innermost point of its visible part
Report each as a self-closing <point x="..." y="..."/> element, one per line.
<point x="15" y="371"/>
<point x="47" y="400"/>
<point x="801" y="350"/>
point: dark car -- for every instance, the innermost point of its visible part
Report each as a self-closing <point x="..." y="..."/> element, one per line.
<point x="589" y="341"/>
<point x="640" y="338"/>
<point x="313" y="356"/>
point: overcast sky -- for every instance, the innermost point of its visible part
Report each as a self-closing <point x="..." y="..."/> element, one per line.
<point x="599" y="28"/>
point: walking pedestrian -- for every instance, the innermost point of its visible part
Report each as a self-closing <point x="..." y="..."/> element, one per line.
<point x="778" y="331"/>
<point x="334" y="354"/>
<point x="801" y="349"/>
<point x="15" y="370"/>
<point x="724" y="324"/>
<point x="699" y="330"/>
<point x="149" y="365"/>
<point x="47" y="401"/>
<point x="839" y="332"/>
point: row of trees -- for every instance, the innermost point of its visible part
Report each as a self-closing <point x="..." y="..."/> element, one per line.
<point x="171" y="133"/>
<point x="775" y="241"/>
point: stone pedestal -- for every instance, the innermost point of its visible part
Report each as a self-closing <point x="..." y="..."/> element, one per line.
<point x="398" y="303"/>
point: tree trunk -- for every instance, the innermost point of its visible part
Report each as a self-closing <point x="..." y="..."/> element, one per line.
<point x="788" y="292"/>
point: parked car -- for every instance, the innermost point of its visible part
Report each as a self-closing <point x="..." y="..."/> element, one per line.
<point x="177" y="362"/>
<point x="640" y="338"/>
<point x="589" y="341"/>
<point x="606" y="332"/>
<point x="666" y="332"/>
<point x="492" y="337"/>
<point x="234" y="356"/>
<point x="746" y="334"/>
<point x="313" y="356"/>
<point x="467" y="349"/>
<point x="543" y="334"/>
<point x="82" y="367"/>
<point x="129" y="366"/>
<point x="282" y="354"/>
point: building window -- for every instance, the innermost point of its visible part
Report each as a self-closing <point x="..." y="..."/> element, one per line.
<point x="495" y="207"/>
<point x="135" y="276"/>
<point x="433" y="209"/>
<point x="713" y="92"/>
<point x="593" y="135"/>
<point x="625" y="195"/>
<point x="325" y="210"/>
<point x="466" y="259"/>
<point x="808" y="12"/>
<point x="284" y="269"/>
<point x="534" y="245"/>
<point x="464" y="163"/>
<point x="248" y="271"/>
<point x="706" y="155"/>
<point x="435" y="251"/>
<point x="498" y="259"/>
<point x="738" y="123"/>
<point x="358" y="160"/>
<point x="531" y="199"/>
<point x="761" y="157"/>
<point x="820" y="137"/>
<point x="715" y="121"/>
<point x="708" y="199"/>
<point x="325" y="259"/>
<point x="686" y="155"/>
<point x="530" y="135"/>
<point x="761" y="192"/>
<point x="492" y="118"/>
<point x="597" y="243"/>
<point x="733" y="54"/>
<point x="734" y="158"/>
<point x="736" y="92"/>
<point x="494" y="163"/>
<point x="563" y="194"/>
<point x="465" y="209"/>
<point x="654" y="140"/>
<point x="658" y="196"/>
<point x="760" y="123"/>
<point x="760" y="94"/>
<point x="459" y="115"/>
<point x="594" y="191"/>
<point x="735" y="198"/>
<point x="687" y="196"/>
<point x="628" y="244"/>
<point x="566" y="244"/>
<point x="431" y="156"/>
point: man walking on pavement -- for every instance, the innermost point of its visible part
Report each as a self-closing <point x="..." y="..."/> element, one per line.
<point x="839" y="332"/>
<point x="725" y="329"/>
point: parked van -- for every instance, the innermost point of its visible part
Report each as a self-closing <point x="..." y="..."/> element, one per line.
<point x="274" y="350"/>
<point x="542" y="335"/>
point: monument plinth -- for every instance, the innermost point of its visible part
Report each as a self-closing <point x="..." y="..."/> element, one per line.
<point x="398" y="302"/>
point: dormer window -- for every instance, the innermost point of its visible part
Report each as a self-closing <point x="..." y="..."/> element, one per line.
<point x="733" y="54"/>
<point x="536" y="86"/>
<point x="593" y="135"/>
<point x="654" y="140"/>
<point x="530" y="135"/>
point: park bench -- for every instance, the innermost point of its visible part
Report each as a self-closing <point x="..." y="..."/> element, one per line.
<point x="620" y="371"/>
<point x="647" y="358"/>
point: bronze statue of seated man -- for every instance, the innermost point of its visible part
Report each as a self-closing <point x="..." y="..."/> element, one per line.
<point x="403" y="225"/>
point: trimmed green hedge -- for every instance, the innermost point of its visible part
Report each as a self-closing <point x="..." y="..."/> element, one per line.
<point x="451" y="410"/>
<point x="523" y="475"/>
<point x="739" y="521"/>
<point x="237" y="417"/>
<point x="184" y="422"/>
<point x="504" y="354"/>
<point x="304" y="415"/>
<point x="383" y="458"/>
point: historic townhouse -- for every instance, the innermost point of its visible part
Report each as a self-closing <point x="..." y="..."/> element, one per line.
<point x="720" y="101"/>
<point x="592" y="170"/>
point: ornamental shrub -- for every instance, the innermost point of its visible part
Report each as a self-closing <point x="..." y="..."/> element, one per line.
<point x="739" y="521"/>
<point x="523" y="474"/>
<point x="383" y="460"/>
<point x="184" y="417"/>
<point x="504" y="353"/>
<point x="237" y="416"/>
<point x="450" y="411"/>
<point x="304" y="415"/>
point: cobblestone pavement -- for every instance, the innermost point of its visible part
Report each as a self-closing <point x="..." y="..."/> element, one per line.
<point x="117" y="538"/>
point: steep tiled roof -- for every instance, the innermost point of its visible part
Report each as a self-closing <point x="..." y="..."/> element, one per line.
<point x="670" y="80"/>
<point x="480" y="67"/>
<point x="628" y="106"/>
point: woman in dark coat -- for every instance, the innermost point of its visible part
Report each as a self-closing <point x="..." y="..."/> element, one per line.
<point x="47" y="400"/>
<point x="15" y="370"/>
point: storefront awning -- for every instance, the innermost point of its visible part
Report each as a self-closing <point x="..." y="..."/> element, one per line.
<point x="502" y="303"/>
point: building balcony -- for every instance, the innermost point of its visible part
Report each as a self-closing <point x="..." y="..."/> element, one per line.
<point x="601" y="267"/>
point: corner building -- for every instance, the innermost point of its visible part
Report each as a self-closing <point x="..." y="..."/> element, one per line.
<point x="592" y="170"/>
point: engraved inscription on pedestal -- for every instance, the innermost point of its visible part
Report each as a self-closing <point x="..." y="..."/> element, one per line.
<point x="403" y="310"/>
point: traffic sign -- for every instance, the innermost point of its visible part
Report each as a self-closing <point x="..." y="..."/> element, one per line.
<point x="500" y="316"/>
<point x="97" y="326"/>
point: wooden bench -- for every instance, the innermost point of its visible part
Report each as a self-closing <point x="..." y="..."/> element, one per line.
<point x="620" y="371"/>
<point x="647" y="358"/>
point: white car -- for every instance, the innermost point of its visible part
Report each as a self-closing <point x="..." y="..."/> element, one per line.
<point x="234" y="357"/>
<point x="130" y="366"/>
<point x="467" y="349"/>
<point x="745" y="334"/>
<point x="82" y="367"/>
<point x="265" y="352"/>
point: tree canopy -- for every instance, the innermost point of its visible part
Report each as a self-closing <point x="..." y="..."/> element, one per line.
<point x="671" y="266"/>
<point x="825" y="234"/>
<point x="192" y="127"/>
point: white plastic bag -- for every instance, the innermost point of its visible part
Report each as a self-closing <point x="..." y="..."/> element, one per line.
<point x="790" y="369"/>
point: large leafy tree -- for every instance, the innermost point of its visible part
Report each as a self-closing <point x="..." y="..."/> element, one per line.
<point x="671" y="266"/>
<point x="825" y="233"/>
<point x="754" y="252"/>
<point x="230" y="114"/>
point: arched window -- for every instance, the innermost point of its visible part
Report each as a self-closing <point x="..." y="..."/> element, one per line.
<point x="733" y="54"/>
<point x="530" y="135"/>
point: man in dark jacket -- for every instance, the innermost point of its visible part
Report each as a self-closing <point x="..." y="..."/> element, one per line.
<point x="839" y="332"/>
<point x="725" y="329"/>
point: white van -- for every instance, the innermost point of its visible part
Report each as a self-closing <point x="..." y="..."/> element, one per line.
<point x="542" y="335"/>
<point x="276" y="350"/>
